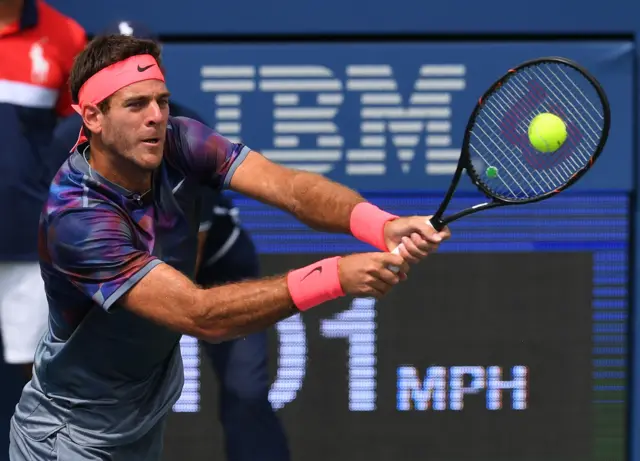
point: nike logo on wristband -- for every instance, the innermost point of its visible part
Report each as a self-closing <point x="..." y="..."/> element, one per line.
<point x="318" y="268"/>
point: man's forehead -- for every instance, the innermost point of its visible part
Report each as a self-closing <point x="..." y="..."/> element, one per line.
<point x="146" y="88"/>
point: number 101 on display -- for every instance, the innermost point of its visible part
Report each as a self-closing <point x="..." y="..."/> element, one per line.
<point x="435" y="388"/>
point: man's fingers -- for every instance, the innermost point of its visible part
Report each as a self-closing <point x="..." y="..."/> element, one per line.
<point x="428" y="233"/>
<point x="445" y="233"/>
<point x="378" y="287"/>
<point x="411" y="245"/>
<point x="424" y="227"/>
<point x="390" y="259"/>
<point x="388" y="277"/>
<point x="407" y="256"/>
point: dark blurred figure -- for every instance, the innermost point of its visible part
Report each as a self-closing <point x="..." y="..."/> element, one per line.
<point x="37" y="48"/>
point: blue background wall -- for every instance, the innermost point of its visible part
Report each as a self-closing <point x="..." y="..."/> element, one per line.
<point x="483" y="38"/>
<point x="242" y="17"/>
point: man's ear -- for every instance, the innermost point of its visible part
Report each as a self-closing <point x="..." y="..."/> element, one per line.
<point x="92" y="118"/>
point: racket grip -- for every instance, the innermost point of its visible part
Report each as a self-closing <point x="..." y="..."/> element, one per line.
<point x="437" y="225"/>
<point x="396" y="251"/>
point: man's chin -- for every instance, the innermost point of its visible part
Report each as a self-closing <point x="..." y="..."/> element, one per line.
<point x="150" y="160"/>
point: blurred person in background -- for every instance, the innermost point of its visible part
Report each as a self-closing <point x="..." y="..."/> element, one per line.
<point x="226" y="254"/>
<point x="37" y="48"/>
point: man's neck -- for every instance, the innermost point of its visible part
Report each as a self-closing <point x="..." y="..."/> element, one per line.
<point x="10" y="11"/>
<point x="119" y="171"/>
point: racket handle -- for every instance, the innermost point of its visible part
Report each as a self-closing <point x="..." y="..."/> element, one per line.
<point x="437" y="225"/>
<point x="396" y="251"/>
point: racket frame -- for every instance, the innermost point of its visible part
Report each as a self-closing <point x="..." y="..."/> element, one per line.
<point x="464" y="162"/>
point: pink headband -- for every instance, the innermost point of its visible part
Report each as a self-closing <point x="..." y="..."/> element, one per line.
<point x="113" y="78"/>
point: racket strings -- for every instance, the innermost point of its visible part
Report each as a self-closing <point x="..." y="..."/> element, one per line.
<point x="524" y="112"/>
<point x="517" y="120"/>
<point x="578" y="112"/>
<point x="499" y="137"/>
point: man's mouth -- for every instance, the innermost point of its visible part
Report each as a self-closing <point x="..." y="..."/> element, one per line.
<point x="151" y="141"/>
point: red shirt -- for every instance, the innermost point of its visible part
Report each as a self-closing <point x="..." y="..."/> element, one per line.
<point x="36" y="57"/>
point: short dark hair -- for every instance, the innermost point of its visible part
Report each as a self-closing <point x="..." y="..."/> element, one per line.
<point x="104" y="51"/>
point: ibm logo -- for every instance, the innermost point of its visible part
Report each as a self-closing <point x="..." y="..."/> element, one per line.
<point x="306" y="136"/>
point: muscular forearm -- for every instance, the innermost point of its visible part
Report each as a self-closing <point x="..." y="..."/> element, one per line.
<point x="313" y="199"/>
<point x="167" y="297"/>
<point x="321" y="203"/>
<point x="228" y="311"/>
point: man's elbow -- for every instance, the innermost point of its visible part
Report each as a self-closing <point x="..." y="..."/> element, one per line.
<point x="213" y="334"/>
<point x="206" y="323"/>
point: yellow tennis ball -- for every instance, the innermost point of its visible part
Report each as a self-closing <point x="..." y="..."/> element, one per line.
<point x="547" y="132"/>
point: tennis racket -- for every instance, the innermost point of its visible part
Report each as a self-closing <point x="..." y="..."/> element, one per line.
<point x="497" y="153"/>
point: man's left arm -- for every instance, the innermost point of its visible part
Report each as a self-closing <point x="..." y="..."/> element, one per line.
<point x="313" y="199"/>
<point x="328" y="206"/>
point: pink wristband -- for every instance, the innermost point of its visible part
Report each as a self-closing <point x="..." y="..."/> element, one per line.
<point x="315" y="284"/>
<point x="367" y="224"/>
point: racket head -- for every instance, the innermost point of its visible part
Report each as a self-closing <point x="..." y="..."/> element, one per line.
<point x="496" y="135"/>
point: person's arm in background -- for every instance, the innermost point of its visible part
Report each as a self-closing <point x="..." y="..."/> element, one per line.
<point x="208" y="201"/>
<point x="77" y="38"/>
<point x="208" y="197"/>
<point x="69" y="123"/>
<point x="64" y="138"/>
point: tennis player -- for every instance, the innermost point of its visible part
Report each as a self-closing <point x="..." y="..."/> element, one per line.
<point x="114" y="236"/>
<point x="251" y="428"/>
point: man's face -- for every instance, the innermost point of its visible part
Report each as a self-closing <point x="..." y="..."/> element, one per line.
<point x="135" y="125"/>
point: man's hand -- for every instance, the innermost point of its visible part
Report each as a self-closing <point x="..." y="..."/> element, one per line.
<point x="415" y="236"/>
<point x="368" y="274"/>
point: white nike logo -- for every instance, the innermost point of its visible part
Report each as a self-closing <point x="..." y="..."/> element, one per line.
<point x="178" y="186"/>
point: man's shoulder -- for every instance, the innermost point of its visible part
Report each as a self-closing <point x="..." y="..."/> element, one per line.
<point x="183" y="130"/>
<point x="73" y="228"/>
<point x="179" y="130"/>
<point x="73" y="192"/>
<point x="185" y="122"/>
<point x="179" y="123"/>
<point x="180" y="110"/>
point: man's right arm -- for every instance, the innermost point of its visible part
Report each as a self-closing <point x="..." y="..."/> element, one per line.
<point x="93" y="247"/>
<point x="224" y="312"/>
<point x="167" y="297"/>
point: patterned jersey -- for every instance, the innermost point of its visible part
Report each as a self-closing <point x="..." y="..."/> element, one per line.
<point x="105" y="373"/>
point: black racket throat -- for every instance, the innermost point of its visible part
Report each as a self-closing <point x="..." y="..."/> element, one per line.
<point x="439" y="221"/>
